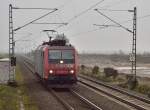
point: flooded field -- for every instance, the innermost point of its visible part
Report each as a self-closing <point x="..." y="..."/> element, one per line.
<point x="141" y="71"/>
<point x="121" y="63"/>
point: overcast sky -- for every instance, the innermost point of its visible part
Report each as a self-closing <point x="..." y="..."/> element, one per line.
<point x="80" y="31"/>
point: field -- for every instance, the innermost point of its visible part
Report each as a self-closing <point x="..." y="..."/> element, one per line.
<point x="117" y="61"/>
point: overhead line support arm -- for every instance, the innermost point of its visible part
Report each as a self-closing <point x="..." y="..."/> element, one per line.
<point x="35" y="20"/>
<point x="114" y="21"/>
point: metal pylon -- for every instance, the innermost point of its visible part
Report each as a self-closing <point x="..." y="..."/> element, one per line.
<point x="11" y="46"/>
<point x="134" y="43"/>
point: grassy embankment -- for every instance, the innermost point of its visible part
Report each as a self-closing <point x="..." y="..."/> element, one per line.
<point x="12" y="97"/>
<point x="122" y="80"/>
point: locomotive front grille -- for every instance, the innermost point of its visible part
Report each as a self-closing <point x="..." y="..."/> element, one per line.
<point x="62" y="78"/>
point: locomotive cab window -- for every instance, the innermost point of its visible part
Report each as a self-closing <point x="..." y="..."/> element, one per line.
<point x="56" y="55"/>
<point x="68" y="56"/>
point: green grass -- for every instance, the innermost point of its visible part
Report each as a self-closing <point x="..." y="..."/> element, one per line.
<point x="10" y="97"/>
<point x="28" y="103"/>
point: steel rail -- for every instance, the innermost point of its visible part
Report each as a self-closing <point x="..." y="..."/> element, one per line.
<point x="117" y="89"/>
<point x="132" y="104"/>
<point x="62" y="101"/>
<point x="91" y="104"/>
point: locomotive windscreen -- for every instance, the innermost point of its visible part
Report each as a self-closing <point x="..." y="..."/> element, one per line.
<point x="55" y="56"/>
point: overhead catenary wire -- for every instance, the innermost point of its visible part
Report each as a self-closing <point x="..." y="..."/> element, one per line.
<point x="89" y="31"/>
<point x="63" y="5"/>
<point x="116" y="3"/>
<point x="81" y="13"/>
<point x="59" y="7"/>
<point x="35" y="20"/>
<point x="131" y="20"/>
<point x="126" y="21"/>
<point x="58" y="16"/>
<point x="106" y="25"/>
<point x="145" y="16"/>
<point x="111" y="25"/>
<point x="139" y="18"/>
<point x="78" y="15"/>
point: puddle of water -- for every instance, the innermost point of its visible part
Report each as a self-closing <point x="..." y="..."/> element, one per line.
<point x="141" y="71"/>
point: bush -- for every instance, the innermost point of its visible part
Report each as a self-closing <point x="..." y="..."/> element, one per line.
<point x="145" y="89"/>
<point x="134" y="84"/>
<point x="129" y="77"/>
<point x="95" y="70"/>
<point x="131" y="81"/>
<point x="82" y="68"/>
<point x="110" y="72"/>
<point x="148" y="94"/>
<point x="115" y="74"/>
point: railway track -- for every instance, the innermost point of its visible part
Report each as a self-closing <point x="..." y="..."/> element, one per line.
<point x="138" y="102"/>
<point x="67" y="106"/>
<point x="74" y="101"/>
<point x="70" y="99"/>
<point x="130" y="99"/>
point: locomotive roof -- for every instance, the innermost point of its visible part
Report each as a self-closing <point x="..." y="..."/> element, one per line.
<point x="61" y="47"/>
<point x="41" y="47"/>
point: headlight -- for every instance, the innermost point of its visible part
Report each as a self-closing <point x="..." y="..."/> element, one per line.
<point x="61" y="61"/>
<point x="71" y="71"/>
<point x="50" y="71"/>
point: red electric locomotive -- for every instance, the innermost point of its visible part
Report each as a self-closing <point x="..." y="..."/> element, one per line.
<point x="56" y="63"/>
